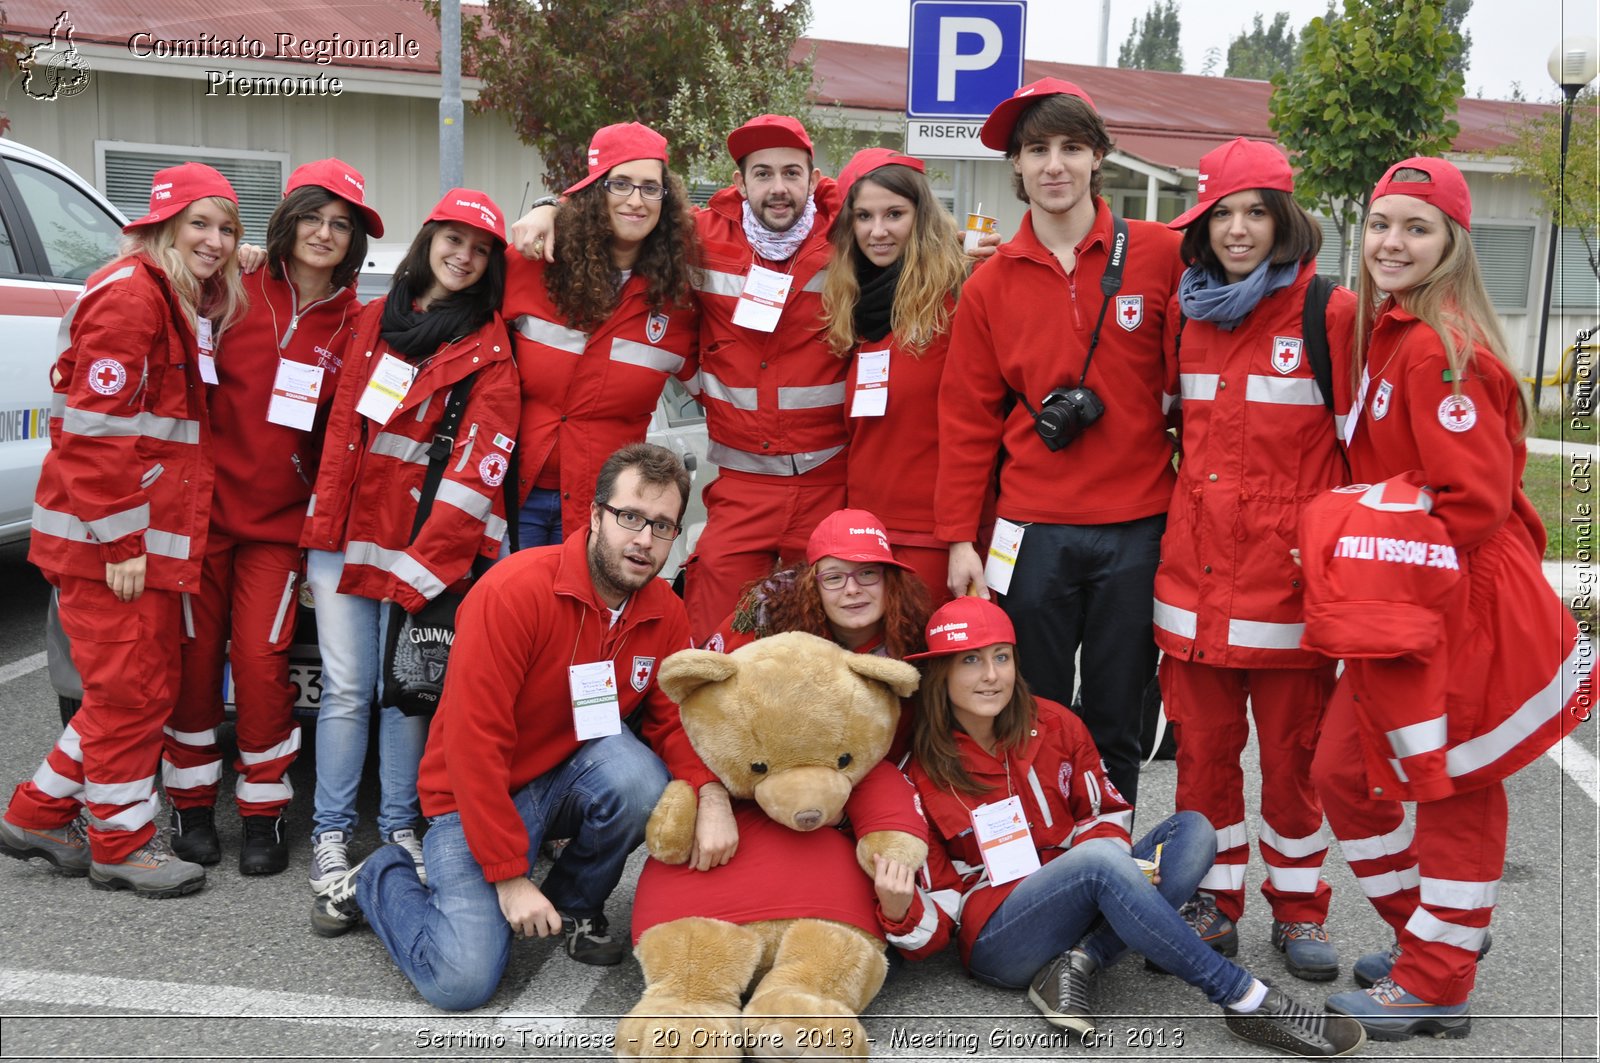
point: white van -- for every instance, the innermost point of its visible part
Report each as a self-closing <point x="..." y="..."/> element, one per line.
<point x="55" y="230"/>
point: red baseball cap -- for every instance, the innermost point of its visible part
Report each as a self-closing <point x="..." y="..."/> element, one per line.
<point x="173" y="189"/>
<point x="344" y="181"/>
<point x="1237" y="166"/>
<point x="768" y="131"/>
<point x="617" y="144"/>
<point x="996" y="132"/>
<point x="868" y="159"/>
<point x="471" y="207"/>
<point x="851" y="535"/>
<point x="1447" y="190"/>
<point x="967" y="623"/>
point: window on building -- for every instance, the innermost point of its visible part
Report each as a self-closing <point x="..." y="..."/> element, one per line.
<point x="1505" y="257"/>
<point x="1576" y="288"/>
<point x="257" y="177"/>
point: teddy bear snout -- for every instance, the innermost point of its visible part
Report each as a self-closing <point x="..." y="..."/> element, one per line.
<point x="810" y="819"/>
<point x="804" y="798"/>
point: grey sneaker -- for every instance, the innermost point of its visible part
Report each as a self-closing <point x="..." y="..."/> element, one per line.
<point x="65" y="847"/>
<point x="1061" y="991"/>
<point x="335" y="910"/>
<point x="329" y="858"/>
<point x="152" y="870"/>
<point x="407" y="839"/>
<point x="1289" y="1026"/>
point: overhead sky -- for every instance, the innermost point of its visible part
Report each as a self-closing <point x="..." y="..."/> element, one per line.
<point x="1511" y="39"/>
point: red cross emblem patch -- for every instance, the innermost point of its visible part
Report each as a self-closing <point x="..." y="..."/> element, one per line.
<point x="1130" y="311"/>
<point x="655" y="327"/>
<point x="1457" y="413"/>
<point x="107" y="376"/>
<point x="1286" y="353"/>
<point x="642" y="669"/>
<point x="1380" y="400"/>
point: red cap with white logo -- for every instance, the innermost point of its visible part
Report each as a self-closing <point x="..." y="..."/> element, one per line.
<point x="1237" y="166"/>
<point x="868" y="159"/>
<point x="344" y="181"/>
<point x="768" y="131"/>
<point x="617" y="144"/>
<point x="471" y="207"/>
<point x="1446" y="189"/>
<point x="173" y="189"/>
<point x="996" y="131"/>
<point x="967" y="623"/>
<point x="851" y="535"/>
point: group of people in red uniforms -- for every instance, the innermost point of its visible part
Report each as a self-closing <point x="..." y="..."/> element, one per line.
<point x="220" y="435"/>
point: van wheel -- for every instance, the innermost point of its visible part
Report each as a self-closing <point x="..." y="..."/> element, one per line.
<point x="69" y="708"/>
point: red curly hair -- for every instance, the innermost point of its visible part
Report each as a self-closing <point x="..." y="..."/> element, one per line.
<point x="789" y="600"/>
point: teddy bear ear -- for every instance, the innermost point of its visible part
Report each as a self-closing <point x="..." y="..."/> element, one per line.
<point x="898" y="676"/>
<point x="688" y="670"/>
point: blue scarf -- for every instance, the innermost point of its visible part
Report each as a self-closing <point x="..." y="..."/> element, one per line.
<point x="1203" y="296"/>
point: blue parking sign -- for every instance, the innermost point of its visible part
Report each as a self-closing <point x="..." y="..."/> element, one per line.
<point x="965" y="56"/>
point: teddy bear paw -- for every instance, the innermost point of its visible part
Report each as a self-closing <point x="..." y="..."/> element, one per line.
<point x="676" y="1030"/>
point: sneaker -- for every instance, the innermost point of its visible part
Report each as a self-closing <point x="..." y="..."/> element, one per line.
<point x="1389" y="1013"/>
<point x="1209" y="924"/>
<point x="1374" y="967"/>
<point x="194" y="835"/>
<point x="1284" y="1023"/>
<point x="65" y="847"/>
<point x="589" y="941"/>
<point x="407" y="839"/>
<point x="152" y="870"/>
<point x="329" y="858"/>
<point x="1061" y="991"/>
<point x="1310" y="954"/>
<point x="265" y="850"/>
<point x="335" y="910"/>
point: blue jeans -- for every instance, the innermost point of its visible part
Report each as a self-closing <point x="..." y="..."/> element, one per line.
<point x="539" y="519"/>
<point x="1095" y="897"/>
<point x="350" y="632"/>
<point x="449" y="937"/>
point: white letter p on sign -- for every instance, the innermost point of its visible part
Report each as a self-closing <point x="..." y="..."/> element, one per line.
<point x="952" y="61"/>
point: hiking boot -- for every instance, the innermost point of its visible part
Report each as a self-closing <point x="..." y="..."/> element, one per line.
<point x="335" y="910"/>
<point x="1284" y="1023"/>
<point x="1374" y="967"/>
<point x="1310" y="954"/>
<point x="329" y="858"/>
<point x="1209" y="924"/>
<point x="407" y="839"/>
<point x="1389" y="1013"/>
<point x="152" y="870"/>
<point x="265" y="850"/>
<point x="194" y="835"/>
<point x="589" y="941"/>
<point x="1061" y="991"/>
<point x="65" y="847"/>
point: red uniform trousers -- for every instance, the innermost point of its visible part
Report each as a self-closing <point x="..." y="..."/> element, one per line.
<point x="932" y="566"/>
<point x="1436" y="886"/>
<point x="1207" y="706"/>
<point x="248" y="594"/>
<point x="127" y="654"/>
<point x="752" y="523"/>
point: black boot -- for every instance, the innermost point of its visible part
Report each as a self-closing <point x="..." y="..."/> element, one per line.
<point x="264" y="851"/>
<point x="194" y="835"/>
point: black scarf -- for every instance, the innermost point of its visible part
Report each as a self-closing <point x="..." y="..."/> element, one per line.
<point x="419" y="333"/>
<point x="875" y="304"/>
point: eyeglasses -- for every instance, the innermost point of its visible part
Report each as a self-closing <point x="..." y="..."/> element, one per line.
<point x="622" y="188"/>
<point x="864" y="577"/>
<point x="631" y="521"/>
<point x="313" y="221"/>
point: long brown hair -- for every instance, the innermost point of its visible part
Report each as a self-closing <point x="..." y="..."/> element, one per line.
<point x="791" y="601"/>
<point x="283" y="230"/>
<point x="933" y="729"/>
<point x="582" y="281"/>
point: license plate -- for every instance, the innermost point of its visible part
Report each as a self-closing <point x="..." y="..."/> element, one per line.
<point x="307" y="680"/>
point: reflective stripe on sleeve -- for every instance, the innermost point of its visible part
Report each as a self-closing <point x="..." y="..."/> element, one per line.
<point x="390" y="445"/>
<point x="551" y="334"/>
<point x="1418" y="738"/>
<point x="633" y="352"/>
<point x="818" y="397"/>
<point x="148" y="425"/>
<point x="1181" y="622"/>
<point x="1262" y="635"/>
<point x="1283" y="390"/>
<point x="715" y="282"/>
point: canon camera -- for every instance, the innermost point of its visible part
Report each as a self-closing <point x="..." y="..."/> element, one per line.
<point x="1064" y="415"/>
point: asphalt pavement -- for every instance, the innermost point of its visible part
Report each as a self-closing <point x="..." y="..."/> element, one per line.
<point x="234" y="971"/>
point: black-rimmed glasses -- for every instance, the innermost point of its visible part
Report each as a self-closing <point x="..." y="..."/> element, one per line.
<point x="622" y="188"/>
<point x="313" y="221"/>
<point x="633" y="522"/>
<point x="865" y="576"/>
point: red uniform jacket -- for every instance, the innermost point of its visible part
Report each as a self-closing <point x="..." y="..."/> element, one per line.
<point x="1258" y="444"/>
<point x="584" y="394"/>
<point x="129" y="471"/>
<point x="265" y="470"/>
<point x="506" y="715"/>
<point x="1062" y="781"/>
<point x="891" y="456"/>
<point x="774" y="401"/>
<point x="1023" y="327"/>
<point x="371" y="476"/>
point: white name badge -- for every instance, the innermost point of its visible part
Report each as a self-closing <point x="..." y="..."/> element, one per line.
<point x="761" y="302"/>
<point x="386" y="389"/>
<point x="595" y="710"/>
<point x="1002" y="560"/>
<point x="208" y="368"/>
<point x="295" y="391"/>
<point x="203" y="332"/>
<point x="871" y="397"/>
<point x="1004" y="841"/>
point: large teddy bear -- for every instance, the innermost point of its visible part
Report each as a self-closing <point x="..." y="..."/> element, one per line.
<point x="796" y="729"/>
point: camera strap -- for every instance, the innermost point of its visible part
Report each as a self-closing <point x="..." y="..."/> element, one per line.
<point x="1110" y="285"/>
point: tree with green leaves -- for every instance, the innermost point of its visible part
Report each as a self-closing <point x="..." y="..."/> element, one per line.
<point x="1263" y="50"/>
<point x="1152" y="43"/>
<point x="1570" y="198"/>
<point x="560" y="69"/>
<point x="1373" y="86"/>
<point x="1455" y="16"/>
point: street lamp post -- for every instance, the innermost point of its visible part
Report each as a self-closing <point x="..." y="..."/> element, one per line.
<point x="1572" y="66"/>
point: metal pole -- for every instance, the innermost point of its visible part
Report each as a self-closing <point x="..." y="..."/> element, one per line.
<point x="451" y="117"/>
<point x="1555" y="231"/>
<point x="1105" y="32"/>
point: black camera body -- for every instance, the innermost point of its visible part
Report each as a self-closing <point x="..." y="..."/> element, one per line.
<point x="1065" y="414"/>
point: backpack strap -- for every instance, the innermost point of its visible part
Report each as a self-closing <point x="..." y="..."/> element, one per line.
<point x="1314" y="327"/>
<point x="444" y="442"/>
